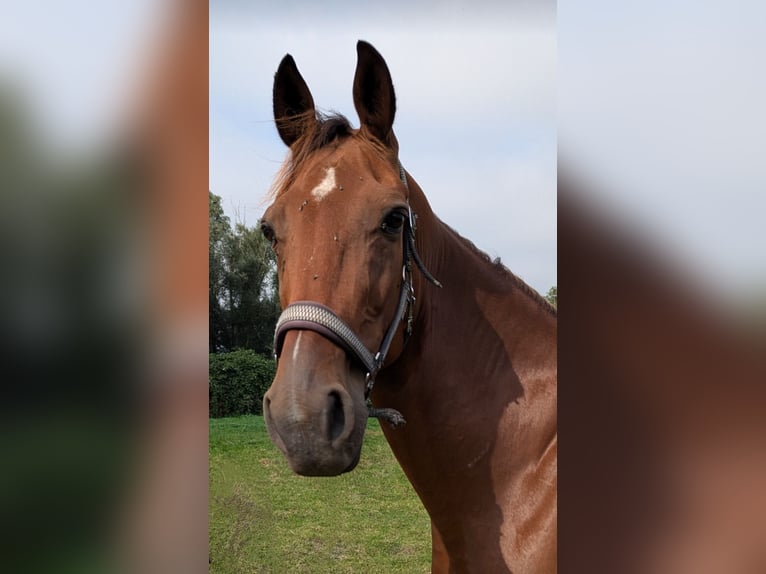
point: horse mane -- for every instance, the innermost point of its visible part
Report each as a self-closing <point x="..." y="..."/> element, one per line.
<point x="318" y="130"/>
<point x="507" y="274"/>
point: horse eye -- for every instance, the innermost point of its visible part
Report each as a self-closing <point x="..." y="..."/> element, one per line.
<point x="393" y="222"/>
<point x="268" y="233"/>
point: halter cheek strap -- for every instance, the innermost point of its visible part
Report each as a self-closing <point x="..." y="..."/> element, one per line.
<point x="312" y="316"/>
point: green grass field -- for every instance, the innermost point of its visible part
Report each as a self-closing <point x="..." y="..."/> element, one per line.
<point x="263" y="518"/>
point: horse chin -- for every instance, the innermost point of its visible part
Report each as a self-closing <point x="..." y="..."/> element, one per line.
<point x="326" y="463"/>
<point x="354" y="462"/>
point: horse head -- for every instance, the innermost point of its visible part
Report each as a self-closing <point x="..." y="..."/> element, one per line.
<point x="337" y="225"/>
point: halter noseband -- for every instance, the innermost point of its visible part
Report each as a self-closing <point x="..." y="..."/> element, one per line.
<point x="312" y="316"/>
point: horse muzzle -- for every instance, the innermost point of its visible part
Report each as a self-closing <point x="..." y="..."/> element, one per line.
<point x="315" y="411"/>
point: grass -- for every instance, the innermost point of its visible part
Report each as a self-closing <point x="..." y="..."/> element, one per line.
<point x="265" y="519"/>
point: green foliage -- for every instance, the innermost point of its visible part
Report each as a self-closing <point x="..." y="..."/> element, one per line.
<point x="552" y="296"/>
<point x="243" y="301"/>
<point x="218" y="231"/>
<point x="238" y="381"/>
<point x="264" y="518"/>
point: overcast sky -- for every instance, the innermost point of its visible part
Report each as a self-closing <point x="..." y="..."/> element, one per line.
<point x="476" y="108"/>
<point x="662" y="104"/>
<point x="663" y="101"/>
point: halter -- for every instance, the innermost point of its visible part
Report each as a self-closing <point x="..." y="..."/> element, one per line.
<point x="312" y="316"/>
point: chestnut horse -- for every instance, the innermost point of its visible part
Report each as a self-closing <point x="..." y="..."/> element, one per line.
<point x="466" y="351"/>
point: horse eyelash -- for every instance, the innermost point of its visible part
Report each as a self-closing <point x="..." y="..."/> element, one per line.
<point x="268" y="232"/>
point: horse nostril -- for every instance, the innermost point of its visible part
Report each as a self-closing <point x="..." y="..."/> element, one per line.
<point x="337" y="418"/>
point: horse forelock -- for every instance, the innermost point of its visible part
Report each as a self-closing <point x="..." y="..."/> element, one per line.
<point x="319" y="131"/>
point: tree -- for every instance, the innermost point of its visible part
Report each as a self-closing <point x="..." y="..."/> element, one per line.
<point x="219" y="232"/>
<point x="242" y="282"/>
<point x="552" y="296"/>
<point x="253" y="315"/>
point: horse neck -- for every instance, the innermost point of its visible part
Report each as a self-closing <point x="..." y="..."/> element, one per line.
<point x="482" y="354"/>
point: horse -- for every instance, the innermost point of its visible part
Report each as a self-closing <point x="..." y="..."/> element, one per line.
<point x="465" y="374"/>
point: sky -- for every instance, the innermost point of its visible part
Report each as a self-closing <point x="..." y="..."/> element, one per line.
<point x="476" y="108"/>
<point x="661" y="105"/>
<point x="660" y="102"/>
<point x="76" y="64"/>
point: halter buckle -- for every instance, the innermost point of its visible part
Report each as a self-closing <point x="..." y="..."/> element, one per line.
<point x="369" y="378"/>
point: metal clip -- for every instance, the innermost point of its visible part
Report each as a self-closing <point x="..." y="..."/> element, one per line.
<point x="369" y="378"/>
<point x="413" y="219"/>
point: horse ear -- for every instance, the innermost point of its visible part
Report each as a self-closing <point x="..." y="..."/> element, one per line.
<point x="293" y="104"/>
<point x="374" y="97"/>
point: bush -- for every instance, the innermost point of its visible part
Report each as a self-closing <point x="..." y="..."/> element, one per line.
<point x="238" y="381"/>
